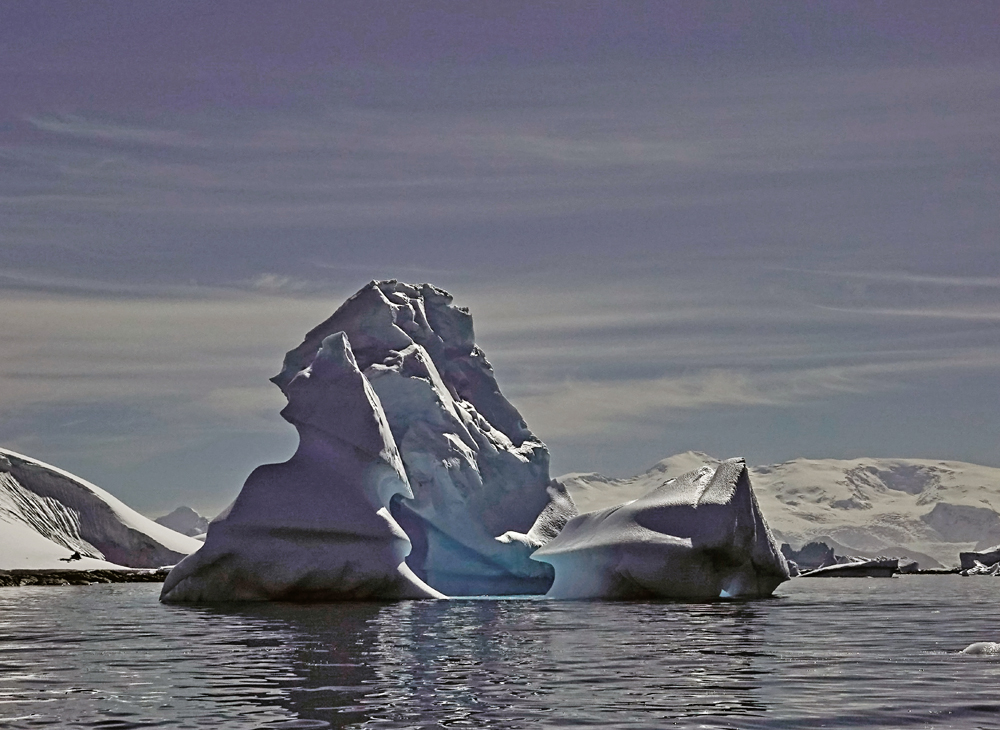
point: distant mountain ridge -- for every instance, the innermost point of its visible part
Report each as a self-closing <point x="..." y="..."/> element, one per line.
<point x="47" y="515"/>
<point x="926" y="509"/>
<point x="185" y="521"/>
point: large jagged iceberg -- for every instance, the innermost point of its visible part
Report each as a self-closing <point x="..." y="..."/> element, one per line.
<point x="475" y="469"/>
<point x="316" y="527"/>
<point x="390" y="390"/>
<point x="699" y="536"/>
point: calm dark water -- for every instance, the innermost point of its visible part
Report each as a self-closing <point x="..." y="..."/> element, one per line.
<point x="833" y="653"/>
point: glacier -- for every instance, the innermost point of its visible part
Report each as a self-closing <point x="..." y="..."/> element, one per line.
<point x="700" y="536"/>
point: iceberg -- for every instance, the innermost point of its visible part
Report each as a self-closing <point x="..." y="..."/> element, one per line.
<point x="982" y="648"/>
<point x="811" y="556"/>
<point x="414" y="476"/>
<point x="475" y="469"/>
<point x="700" y="536"/>
<point x="316" y="527"/>
<point x="970" y="560"/>
<point x="981" y="569"/>
<point x="857" y="568"/>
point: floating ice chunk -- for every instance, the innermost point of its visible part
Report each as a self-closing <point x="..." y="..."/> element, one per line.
<point x="981" y="569"/>
<point x="859" y="568"/>
<point x="699" y="536"/>
<point x="316" y="527"/>
<point x="971" y="560"/>
<point x="982" y="648"/>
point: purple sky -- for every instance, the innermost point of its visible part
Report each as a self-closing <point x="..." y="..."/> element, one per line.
<point x="767" y="230"/>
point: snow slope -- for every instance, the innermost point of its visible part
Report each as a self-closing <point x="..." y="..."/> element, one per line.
<point x="925" y="509"/>
<point x="47" y="514"/>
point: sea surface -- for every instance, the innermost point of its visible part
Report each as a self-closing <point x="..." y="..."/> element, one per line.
<point x="823" y="653"/>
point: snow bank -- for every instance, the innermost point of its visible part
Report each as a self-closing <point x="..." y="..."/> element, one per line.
<point x="47" y="514"/>
<point x="21" y="547"/>
<point x="699" y="536"/>
<point x="316" y="527"/>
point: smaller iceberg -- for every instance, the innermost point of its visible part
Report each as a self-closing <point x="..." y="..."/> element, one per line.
<point x="982" y="569"/>
<point x="970" y="560"/>
<point x="700" y="536"/>
<point x="857" y="568"/>
<point x="982" y="648"/>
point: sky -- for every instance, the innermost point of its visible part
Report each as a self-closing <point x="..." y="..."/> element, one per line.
<point x="768" y="230"/>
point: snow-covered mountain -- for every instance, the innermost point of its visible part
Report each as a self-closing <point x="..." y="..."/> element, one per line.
<point x="185" y="521"/>
<point x="925" y="509"/>
<point x="47" y="514"/>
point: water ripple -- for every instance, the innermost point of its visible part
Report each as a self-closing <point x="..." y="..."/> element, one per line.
<point x="843" y="653"/>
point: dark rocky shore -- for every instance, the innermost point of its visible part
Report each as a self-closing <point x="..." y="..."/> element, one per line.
<point x="79" y="577"/>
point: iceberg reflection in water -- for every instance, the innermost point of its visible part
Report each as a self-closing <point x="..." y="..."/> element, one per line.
<point x="848" y="653"/>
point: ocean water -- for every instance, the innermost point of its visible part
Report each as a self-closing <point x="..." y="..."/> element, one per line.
<point x="823" y="653"/>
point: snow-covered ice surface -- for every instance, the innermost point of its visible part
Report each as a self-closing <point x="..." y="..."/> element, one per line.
<point x="699" y="536"/>
<point x="925" y="509"/>
<point x="47" y="514"/>
<point x="316" y="527"/>
<point x="877" y="568"/>
<point x="592" y="491"/>
<point x="22" y="547"/>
